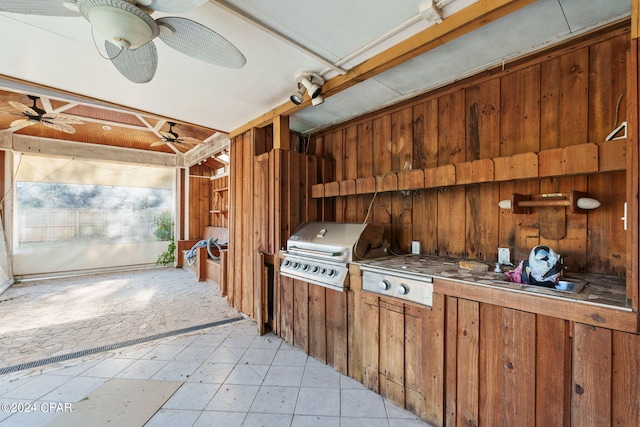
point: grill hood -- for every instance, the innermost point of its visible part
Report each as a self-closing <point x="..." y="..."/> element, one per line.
<point x="338" y="241"/>
<point x="319" y="252"/>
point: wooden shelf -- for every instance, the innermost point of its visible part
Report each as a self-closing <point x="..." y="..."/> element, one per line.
<point x="217" y="190"/>
<point x="578" y="159"/>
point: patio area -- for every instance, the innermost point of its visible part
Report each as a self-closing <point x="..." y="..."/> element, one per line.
<point x="156" y="348"/>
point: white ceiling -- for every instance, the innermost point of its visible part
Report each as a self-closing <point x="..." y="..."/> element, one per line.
<point x="60" y="53"/>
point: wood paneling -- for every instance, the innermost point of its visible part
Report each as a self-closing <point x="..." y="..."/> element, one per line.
<point x="478" y="356"/>
<point x="318" y="323"/>
<point x="338" y="310"/>
<point x="553" y="352"/>
<point x="381" y="209"/>
<point x="564" y="99"/>
<point x="633" y="170"/>
<point x="591" y="384"/>
<point x="392" y="368"/>
<point x="267" y="200"/>
<point x="625" y="387"/>
<point x="301" y="314"/>
<point x="520" y="111"/>
<point x="451" y="360"/>
<point x="401" y="160"/>
<point x="370" y="336"/>
<point x="465" y="362"/>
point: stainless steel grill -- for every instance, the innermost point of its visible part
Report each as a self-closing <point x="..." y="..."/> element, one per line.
<point x="319" y="252"/>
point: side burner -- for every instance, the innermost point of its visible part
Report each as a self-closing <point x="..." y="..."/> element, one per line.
<point x="399" y="277"/>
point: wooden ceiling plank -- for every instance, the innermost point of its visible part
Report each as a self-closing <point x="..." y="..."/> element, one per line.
<point x="91" y="102"/>
<point x="115" y="124"/>
<point x="64" y="108"/>
<point x="460" y="23"/>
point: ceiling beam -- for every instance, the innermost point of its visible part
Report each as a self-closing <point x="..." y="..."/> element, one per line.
<point x="452" y="27"/>
<point x="60" y="148"/>
<point x="216" y="145"/>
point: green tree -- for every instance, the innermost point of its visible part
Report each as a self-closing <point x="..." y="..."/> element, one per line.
<point x="164" y="226"/>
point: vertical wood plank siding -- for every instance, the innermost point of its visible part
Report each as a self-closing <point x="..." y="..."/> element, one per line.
<point x="461" y="362"/>
<point x="566" y="97"/>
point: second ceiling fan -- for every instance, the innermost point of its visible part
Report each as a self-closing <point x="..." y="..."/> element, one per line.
<point x="171" y="137"/>
<point x="34" y="114"/>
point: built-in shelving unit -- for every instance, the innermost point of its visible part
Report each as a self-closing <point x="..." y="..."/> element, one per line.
<point x="218" y="206"/>
<point x="578" y="159"/>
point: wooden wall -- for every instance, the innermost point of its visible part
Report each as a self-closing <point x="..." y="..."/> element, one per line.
<point x="268" y="200"/>
<point x="565" y="97"/>
<point x="462" y="361"/>
<point x="509" y="367"/>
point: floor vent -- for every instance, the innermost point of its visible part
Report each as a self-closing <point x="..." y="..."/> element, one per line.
<point x="74" y="355"/>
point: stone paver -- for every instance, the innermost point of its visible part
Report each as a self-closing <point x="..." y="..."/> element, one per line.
<point x="229" y="374"/>
<point x="41" y="319"/>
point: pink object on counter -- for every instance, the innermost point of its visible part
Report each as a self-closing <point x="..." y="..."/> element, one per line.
<point x="515" y="275"/>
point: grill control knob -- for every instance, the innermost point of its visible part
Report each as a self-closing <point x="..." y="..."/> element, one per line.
<point x="296" y="265"/>
<point x="384" y="285"/>
<point x="305" y="267"/>
<point x="331" y="273"/>
<point x="315" y="269"/>
<point x="286" y="263"/>
<point x="403" y="289"/>
<point x="323" y="270"/>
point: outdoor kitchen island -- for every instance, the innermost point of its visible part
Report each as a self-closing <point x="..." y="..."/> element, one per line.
<point x="481" y="333"/>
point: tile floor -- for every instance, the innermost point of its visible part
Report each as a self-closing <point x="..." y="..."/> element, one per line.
<point x="230" y="377"/>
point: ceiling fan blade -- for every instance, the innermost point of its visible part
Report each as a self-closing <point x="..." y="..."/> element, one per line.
<point x="23" y="108"/>
<point x="158" y="143"/>
<point x="196" y="40"/>
<point x="41" y="7"/>
<point x="189" y="140"/>
<point x="184" y="144"/>
<point x="22" y="123"/>
<point x="176" y="6"/>
<point x="167" y="135"/>
<point x="138" y="65"/>
<point x="62" y="118"/>
<point x="59" y="126"/>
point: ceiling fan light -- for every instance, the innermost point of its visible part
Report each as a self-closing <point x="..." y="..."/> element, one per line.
<point x="119" y="27"/>
<point x="119" y="22"/>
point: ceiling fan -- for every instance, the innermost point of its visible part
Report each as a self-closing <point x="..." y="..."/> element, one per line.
<point x="34" y="115"/>
<point x="129" y="30"/>
<point x="173" y="138"/>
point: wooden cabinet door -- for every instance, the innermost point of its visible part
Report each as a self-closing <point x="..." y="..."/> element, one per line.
<point x="392" y="374"/>
<point x="370" y="341"/>
<point x="424" y="360"/>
